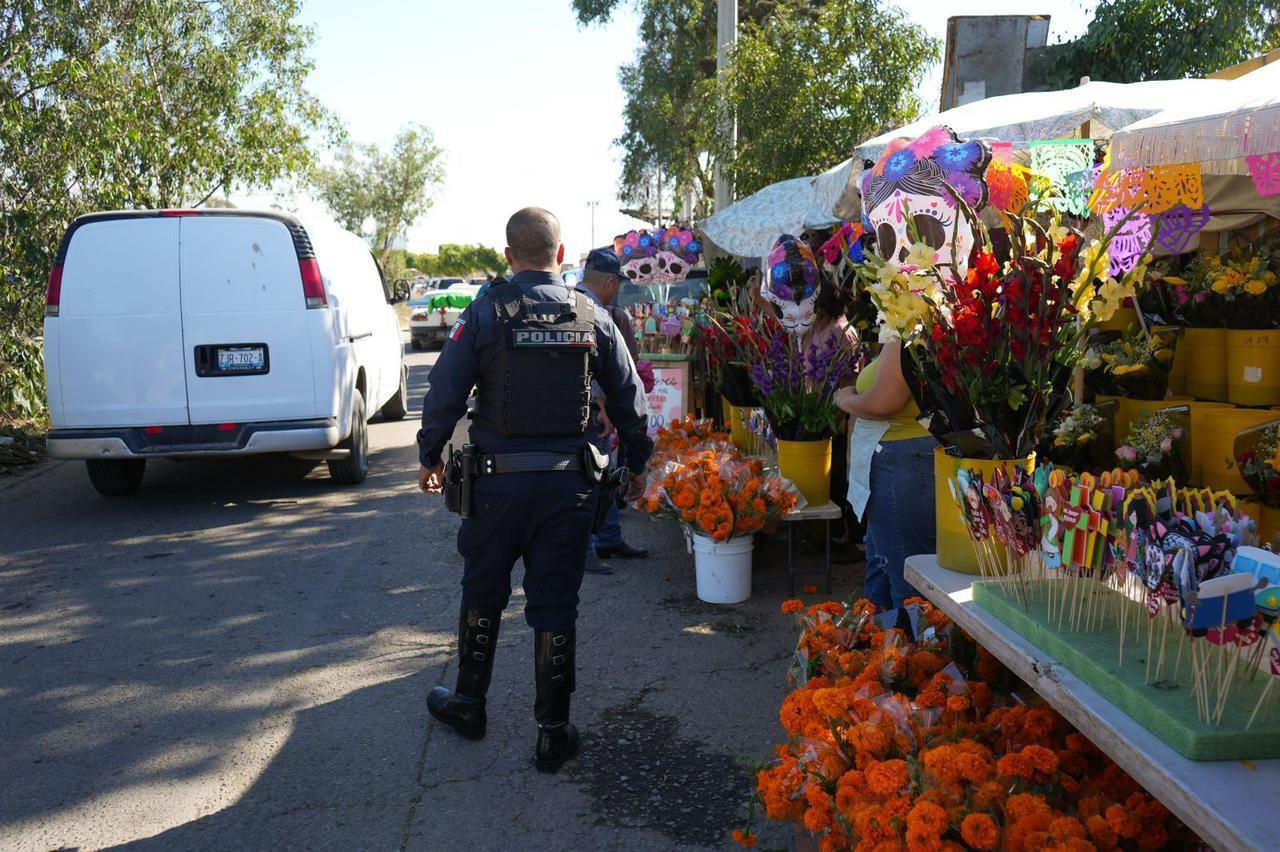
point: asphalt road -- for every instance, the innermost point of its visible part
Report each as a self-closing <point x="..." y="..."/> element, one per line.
<point x="237" y="657"/>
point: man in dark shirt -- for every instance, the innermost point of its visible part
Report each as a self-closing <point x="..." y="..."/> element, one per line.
<point x="531" y="348"/>
<point x="601" y="280"/>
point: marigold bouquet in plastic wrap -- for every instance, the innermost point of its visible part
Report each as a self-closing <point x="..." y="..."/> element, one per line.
<point x="697" y="478"/>
<point x="897" y="743"/>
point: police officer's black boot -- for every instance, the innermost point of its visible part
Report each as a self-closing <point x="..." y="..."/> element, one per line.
<point x="554" y="663"/>
<point x="463" y="709"/>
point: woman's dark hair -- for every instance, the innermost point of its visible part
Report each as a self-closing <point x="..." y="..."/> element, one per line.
<point x="832" y="300"/>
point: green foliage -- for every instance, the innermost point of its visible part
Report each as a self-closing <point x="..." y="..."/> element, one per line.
<point x="810" y="78"/>
<point x="805" y="90"/>
<point x="1132" y="40"/>
<point x="671" y="111"/>
<point x="133" y="103"/>
<point x="459" y="261"/>
<point x="392" y="189"/>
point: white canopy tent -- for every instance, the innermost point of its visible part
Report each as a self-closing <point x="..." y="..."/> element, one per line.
<point x="1239" y="120"/>
<point x="1034" y="116"/>
<point x="749" y="228"/>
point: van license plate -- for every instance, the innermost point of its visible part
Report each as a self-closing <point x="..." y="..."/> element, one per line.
<point x="241" y="359"/>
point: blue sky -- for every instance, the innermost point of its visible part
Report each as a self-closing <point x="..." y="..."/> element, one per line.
<point x="525" y="103"/>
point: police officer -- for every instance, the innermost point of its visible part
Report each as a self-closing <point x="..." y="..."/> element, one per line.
<point x="530" y="347"/>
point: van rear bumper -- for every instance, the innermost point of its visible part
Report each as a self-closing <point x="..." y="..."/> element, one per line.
<point x="131" y="442"/>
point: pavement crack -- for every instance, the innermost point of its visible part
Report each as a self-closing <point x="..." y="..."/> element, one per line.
<point x="420" y="786"/>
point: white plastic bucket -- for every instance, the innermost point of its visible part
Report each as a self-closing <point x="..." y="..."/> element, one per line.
<point x="723" y="570"/>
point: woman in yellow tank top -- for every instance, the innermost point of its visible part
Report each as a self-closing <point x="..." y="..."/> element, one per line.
<point x="890" y="475"/>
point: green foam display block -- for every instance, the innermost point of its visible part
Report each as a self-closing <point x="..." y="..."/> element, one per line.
<point x="1165" y="708"/>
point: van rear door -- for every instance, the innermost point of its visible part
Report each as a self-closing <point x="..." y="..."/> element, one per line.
<point x="118" y="330"/>
<point x="245" y="321"/>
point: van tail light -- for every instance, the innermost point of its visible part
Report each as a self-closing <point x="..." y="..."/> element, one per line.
<point x="54" y="295"/>
<point x="181" y="212"/>
<point x="312" y="283"/>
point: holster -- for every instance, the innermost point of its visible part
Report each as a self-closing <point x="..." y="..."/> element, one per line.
<point x="613" y="480"/>
<point x="460" y="472"/>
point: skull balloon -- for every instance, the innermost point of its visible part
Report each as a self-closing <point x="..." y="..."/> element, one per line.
<point x="792" y="284"/>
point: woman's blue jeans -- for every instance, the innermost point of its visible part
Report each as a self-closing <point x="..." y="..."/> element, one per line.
<point x="899" y="517"/>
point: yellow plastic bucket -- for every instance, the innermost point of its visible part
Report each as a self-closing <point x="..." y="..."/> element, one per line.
<point x="1199" y="439"/>
<point x="1206" y="362"/>
<point x="1253" y="367"/>
<point x="955" y="547"/>
<point x="807" y="464"/>
<point x="1221" y="425"/>
<point x="736" y="420"/>
<point x="1120" y="320"/>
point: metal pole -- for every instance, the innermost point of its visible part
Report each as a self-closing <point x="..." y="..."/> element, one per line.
<point x="593" y="205"/>
<point x="726" y="36"/>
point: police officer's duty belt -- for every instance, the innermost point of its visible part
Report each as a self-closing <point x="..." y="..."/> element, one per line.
<point x="529" y="462"/>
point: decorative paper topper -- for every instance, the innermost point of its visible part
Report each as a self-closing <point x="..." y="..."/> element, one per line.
<point x="1061" y="159"/>
<point x="907" y="191"/>
<point x="660" y="257"/>
<point x="1265" y="171"/>
<point x="792" y="283"/>
<point x="1179" y="224"/>
<point x="1130" y="242"/>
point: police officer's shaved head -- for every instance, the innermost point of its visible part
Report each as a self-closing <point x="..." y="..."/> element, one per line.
<point x="533" y="239"/>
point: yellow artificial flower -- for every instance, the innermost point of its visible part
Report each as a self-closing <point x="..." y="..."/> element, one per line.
<point x="1130" y="369"/>
<point x="1255" y="287"/>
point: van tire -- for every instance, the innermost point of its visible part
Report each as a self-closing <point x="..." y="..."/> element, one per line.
<point x="115" y="477"/>
<point x="416" y="344"/>
<point x="355" y="467"/>
<point x="398" y="406"/>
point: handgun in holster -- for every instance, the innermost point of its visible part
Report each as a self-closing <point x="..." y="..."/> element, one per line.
<point x="612" y="483"/>
<point x="460" y="473"/>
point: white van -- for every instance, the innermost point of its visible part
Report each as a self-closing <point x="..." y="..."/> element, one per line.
<point x="188" y="333"/>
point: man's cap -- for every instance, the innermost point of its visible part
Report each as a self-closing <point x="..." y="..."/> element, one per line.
<point x="604" y="260"/>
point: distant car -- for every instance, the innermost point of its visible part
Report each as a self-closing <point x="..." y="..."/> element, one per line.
<point x="188" y="333"/>
<point x="432" y="319"/>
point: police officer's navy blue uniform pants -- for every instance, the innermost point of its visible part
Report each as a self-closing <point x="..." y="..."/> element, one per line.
<point x="543" y="517"/>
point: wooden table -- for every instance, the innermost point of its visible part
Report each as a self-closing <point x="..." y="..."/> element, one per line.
<point x="828" y="512"/>
<point x="1231" y="804"/>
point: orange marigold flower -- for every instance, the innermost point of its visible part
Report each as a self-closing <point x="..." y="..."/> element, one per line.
<point x="926" y="824"/>
<point x="745" y="839"/>
<point x="791" y="607"/>
<point x="1022" y="805"/>
<point x="884" y="778"/>
<point x="1043" y="759"/>
<point x="979" y="831"/>
<point x="1101" y="833"/>
<point x="809" y="589"/>
<point x="957" y="703"/>
<point x="1015" y="765"/>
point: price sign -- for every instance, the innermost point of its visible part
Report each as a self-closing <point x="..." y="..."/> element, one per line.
<point x="669" y="399"/>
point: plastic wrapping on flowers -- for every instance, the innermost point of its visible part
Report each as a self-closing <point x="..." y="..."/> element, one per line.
<point x="698" y="478"/>
<point x="895" y="742"/>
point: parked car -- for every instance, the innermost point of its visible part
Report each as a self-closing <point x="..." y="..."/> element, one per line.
<point x="189" y="333"/>
<point x="431" y="320"/>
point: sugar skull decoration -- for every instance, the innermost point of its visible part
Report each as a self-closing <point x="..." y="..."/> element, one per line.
<point x="678" y="251"/>
<point x="792" y="283"/>
<point x="663" y="256"/>
<point x="905" y="201"/>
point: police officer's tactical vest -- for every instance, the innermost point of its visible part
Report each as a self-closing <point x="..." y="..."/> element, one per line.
<point x="536" y="379"/>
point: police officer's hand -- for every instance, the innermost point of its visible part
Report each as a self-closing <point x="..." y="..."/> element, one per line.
<point x="431" y="479"/>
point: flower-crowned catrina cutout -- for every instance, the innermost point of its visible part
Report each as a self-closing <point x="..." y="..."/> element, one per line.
<point x="678" y="251"/>
<point x="792" y="283"/>
<point x="638" y="253"/>
<point x="905" y="191"/>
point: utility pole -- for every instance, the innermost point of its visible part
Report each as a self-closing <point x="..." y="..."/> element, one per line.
<point x="726" y="36"/>
<point x="593" y="205"/>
